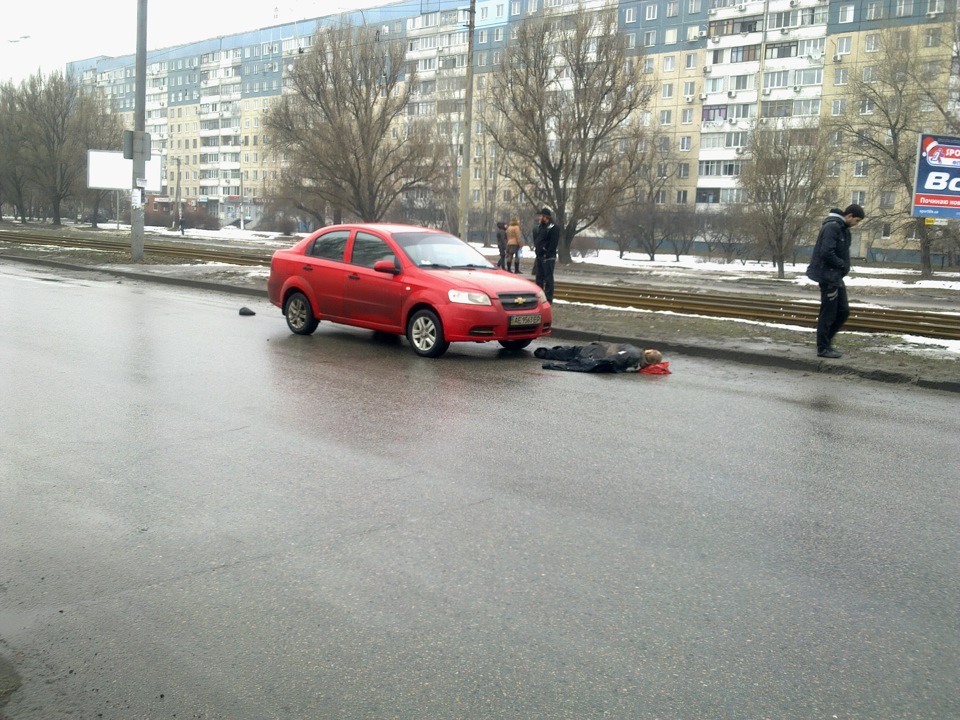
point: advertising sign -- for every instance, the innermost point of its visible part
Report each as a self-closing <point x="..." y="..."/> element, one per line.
<point x="936" y="191"/>
<point x="107" y="170"/>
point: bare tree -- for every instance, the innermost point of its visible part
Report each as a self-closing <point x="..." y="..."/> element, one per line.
<point x="98" y="129"/>
<point x="344" y="126"/>
<point x="659" y="167"/>
<point x="726" y="232"/>
<point x="53" y="148"/>
<point x="14" y="179"/>
<point x="785" y="179"/>
<point x="902" y="92"/>
<point x="623" y="224"/>
<point x="568" y="95"/>
<point x="684" y="228"/>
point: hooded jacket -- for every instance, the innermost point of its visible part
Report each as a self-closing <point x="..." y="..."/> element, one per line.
<point x="830" y="260"/>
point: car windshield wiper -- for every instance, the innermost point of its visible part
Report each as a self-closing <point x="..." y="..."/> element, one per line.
<point x="429" y="264"/>
<point x="472" y="266"/>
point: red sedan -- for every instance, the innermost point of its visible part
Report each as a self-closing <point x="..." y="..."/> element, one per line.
<point x="419" y="282"/>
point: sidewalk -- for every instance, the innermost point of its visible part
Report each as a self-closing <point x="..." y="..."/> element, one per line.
<point x="885" y="358"/>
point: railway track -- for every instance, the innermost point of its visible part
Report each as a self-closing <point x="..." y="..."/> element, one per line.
<point x="743" y="307"/>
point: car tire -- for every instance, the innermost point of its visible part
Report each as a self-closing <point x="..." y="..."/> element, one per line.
<point x="515" y="344"/>
<point x="425" y="334"/>
<point x="299" y="314"/>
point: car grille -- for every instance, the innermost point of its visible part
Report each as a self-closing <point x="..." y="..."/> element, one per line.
<point x="518" y="301"/>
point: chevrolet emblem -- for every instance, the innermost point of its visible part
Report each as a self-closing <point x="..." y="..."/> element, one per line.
<point x="519" y="301"/>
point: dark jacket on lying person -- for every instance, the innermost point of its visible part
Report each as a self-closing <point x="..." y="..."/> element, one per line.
<point x="598" y="357"/>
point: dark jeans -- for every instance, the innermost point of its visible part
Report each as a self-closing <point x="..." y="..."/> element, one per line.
<point x="834" y="311"/>
<point x="543" y="275"/>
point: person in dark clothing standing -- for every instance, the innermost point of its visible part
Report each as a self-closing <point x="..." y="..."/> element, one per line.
<point x="502" y="245"/>
<point x="546" y="242"/>
<point x="829" y="264"/>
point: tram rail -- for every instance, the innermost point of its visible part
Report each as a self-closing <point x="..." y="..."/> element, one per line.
<point x="941" y="325"/>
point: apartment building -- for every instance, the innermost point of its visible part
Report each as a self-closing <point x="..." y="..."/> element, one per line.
<point x="721" y="69"/>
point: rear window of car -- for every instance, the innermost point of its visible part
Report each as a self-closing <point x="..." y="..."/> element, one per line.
<point x="330" y="246"/>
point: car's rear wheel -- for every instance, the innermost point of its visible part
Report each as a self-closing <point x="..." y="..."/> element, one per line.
<point x="425" y="333"/>
<point x="516" y="344"/>
<point x="299" y="314"/>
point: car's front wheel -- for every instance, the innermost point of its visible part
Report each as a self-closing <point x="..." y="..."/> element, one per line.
<point x="299" y="314"/>
<point x="515" y="344"/>
<point x="425" y="333"/>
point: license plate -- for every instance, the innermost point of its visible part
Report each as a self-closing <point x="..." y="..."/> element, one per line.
<point x="523" y="320"/>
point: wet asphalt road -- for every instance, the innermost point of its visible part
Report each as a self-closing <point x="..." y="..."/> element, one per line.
<point x="203" y="516"/>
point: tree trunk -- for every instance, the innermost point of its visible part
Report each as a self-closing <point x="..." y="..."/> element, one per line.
<point x="926" y="268"/>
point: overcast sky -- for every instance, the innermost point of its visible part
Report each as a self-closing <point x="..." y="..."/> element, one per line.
<point x="47" y="34"/>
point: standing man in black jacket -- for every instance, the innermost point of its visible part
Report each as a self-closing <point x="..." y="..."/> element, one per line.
<point x="829" y="264"/>
<point x="546" y="242"/>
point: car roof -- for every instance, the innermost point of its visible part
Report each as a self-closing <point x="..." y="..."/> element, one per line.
<point x="383" y="227"/>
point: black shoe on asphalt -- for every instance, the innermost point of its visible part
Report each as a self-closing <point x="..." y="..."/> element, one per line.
<point x="829" y="353"/>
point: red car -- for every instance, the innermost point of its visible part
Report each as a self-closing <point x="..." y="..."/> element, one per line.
<point x="419" y="282"/>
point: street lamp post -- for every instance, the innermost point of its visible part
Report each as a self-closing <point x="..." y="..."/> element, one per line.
<point x="467" y="122"/>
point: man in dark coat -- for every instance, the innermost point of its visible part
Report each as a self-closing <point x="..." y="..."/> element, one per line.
<point x="502" y="244"/>
<point x="546" y="242"/>
<point x="829" y="264"/>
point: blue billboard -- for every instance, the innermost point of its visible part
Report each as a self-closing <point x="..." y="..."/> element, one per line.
<point x="936" y="190"/>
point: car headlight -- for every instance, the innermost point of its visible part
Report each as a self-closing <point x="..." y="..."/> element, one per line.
<point x="468" y="298"/>
<point x="543" y="296"/>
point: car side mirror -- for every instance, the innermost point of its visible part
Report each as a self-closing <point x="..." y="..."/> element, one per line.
<point x="386" y="266"/>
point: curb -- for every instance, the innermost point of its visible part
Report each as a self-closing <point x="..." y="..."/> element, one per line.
<point x="699" y="351"/>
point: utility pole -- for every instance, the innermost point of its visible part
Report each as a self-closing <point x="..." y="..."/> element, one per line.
<point x="140" y="140"/>
<point x="467" y="127"/>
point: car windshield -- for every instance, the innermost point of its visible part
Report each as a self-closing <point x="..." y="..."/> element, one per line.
<point x="442" y="251"/>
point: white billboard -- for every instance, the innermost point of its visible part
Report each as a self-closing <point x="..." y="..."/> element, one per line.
<point x="108" y="170"/>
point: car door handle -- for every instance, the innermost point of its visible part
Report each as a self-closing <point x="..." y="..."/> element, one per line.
<point x="308" y="268"/>
<point x="353" y="276"/>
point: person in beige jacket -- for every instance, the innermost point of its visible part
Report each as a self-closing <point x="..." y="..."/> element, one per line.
<point x="514" y="243"/>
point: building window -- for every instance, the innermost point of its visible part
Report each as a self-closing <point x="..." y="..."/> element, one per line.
<point x="681" y="197"/>
<point x="630" y="15"/>
<point x="650" y="12"/>
<point x="887" y="199"/>
<point x="904" y="8"/>
<point x="845" y="15"/>
<point x="860" y="168"/>
<point x="833" y="168"/>
<point x="839" y="106"/>
<point x="667" y="90"/>
<point x="859" y="197"/>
